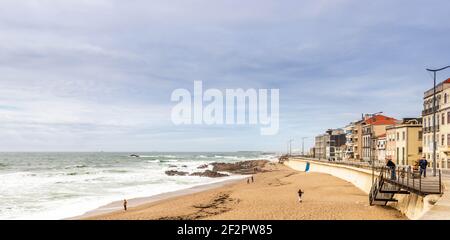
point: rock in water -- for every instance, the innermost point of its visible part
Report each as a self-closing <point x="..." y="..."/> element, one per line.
<point x="209" y="173"/>
<point x="244" y="167"/>
<point x="202" y="166"/>
<point x="176" y="173"/>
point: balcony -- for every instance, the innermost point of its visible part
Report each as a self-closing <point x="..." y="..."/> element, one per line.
<point x="430" y="110"/>
<point x="430" y="129"/>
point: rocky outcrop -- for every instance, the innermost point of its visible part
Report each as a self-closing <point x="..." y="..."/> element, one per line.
<point x="243" y="167"/>
<point x="202" y="166"/>
<point x="209" y="173"/>
<point x="176" y="173"/>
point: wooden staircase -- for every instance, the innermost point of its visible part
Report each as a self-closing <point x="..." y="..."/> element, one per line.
<point x="383" y="192"/>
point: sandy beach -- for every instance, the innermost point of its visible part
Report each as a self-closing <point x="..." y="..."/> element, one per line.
<point x="273" y="195"/>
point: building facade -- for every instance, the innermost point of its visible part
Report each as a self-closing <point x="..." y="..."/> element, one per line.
<point x="441" y="124"/>
<point x="327" y="145"/>
<point x="373" y="126"/>
<point x="319" y="146"/>
<point x="349" y="153"/>
<point x="334" y="146"/>
<point x="380" y="151"/>
<point x="405" y="141"/>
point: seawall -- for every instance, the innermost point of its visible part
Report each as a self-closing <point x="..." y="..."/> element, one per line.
<point x="411" y="205"/>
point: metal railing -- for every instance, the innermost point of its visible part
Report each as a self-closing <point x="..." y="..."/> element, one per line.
<point x="404" y="177"/>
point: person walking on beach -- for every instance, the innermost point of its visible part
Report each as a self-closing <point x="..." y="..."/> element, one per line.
<point x="423" y="163"/>
<point x="252" y="179"/>
<point x="391" y="165"/>
<point x="248" y="181"/>
<point x="300" y="193"/>
<point x="125" y="202"/>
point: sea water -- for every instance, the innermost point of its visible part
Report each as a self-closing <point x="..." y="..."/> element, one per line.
<point x="62" y="185"/>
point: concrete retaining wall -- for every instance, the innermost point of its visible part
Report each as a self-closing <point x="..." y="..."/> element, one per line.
<point x="411" y="205"/>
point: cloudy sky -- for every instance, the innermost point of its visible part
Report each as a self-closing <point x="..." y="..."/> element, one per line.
<point x="91" y="75"/>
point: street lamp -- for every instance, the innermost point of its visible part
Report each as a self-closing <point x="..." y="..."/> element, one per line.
<point x="303" y="145"/>
<point x="434" y="115"/>
<point x="371" y="158"/>
<point x="290" y="146"/>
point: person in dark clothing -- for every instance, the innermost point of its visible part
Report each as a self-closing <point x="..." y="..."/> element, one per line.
<point x="252" y="179"/>
<point x="391" y="165"/>
<point x="300" y="193"/>
<point x="125" y="202"/>
<point x="423" y="163"/>
<point x="248" y="181"/>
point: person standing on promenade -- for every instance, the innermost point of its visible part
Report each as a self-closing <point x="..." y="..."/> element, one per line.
<point x="125" y="202"/>
<point x="391" y="165"/>
<point x="423" y="163"/>
<point x="300" y="193"/>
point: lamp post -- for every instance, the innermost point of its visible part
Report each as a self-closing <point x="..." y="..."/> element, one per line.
<point x="290" y="146"/>
<point x="303" y="145"/>
<point x="370" y="149"/>
<point x="434" y="115"/>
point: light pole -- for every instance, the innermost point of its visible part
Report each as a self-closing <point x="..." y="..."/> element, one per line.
<point x="434" y="115"/>
<point x="303" y="145"/>
<point x="370" y="150"/>
<point x="290" y="146"/>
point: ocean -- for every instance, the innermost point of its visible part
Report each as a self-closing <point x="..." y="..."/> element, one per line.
<point x="63" y="185"/>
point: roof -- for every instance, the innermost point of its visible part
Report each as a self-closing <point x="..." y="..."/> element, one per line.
<point x="439" y="88"/>
<point x="380" y="120"/>
<point x="381" y="136"/>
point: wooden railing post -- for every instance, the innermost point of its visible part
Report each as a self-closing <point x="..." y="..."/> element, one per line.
<point x="420" y="183"/>
<point x="407" y="176"/>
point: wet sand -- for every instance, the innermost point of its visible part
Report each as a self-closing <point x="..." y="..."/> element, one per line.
<point x="273" y="195"/>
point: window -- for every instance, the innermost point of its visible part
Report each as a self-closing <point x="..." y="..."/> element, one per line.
<point x="420" y="150"/>
<point x="445" y="98"/>
<point x="442" y="140"/>
<point x="448" y="117"/>
<point x="403" y="135"/>
<point x="443" y="119"/>
<point x="398" y="136"/>
<point x="398" y="152"/>
<point x="403" y="155"/>
<point x="420" y="135"/>
<point x="448" y="139"/>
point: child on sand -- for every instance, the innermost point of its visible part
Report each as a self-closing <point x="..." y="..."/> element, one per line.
<point x="300" y="193"/>
<point x="125" y="204"/>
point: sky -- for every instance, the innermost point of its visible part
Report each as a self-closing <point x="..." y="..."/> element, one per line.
<point x="97" y="75"/>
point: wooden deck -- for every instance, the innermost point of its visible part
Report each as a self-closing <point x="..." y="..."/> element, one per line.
<point x="422" y="186"/>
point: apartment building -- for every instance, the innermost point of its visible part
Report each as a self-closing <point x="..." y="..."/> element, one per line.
<point x="372" y="128"/>
<point x="350" y="142"/>
<point x="380" y="150"/>
<point x="441" y="124"/>
<point x="319" y="146"/>
<point x="334" y="145"/>
<point x="327" y="145"/>
<point x="405" y="141"/>
<point x="357" y="137"/>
